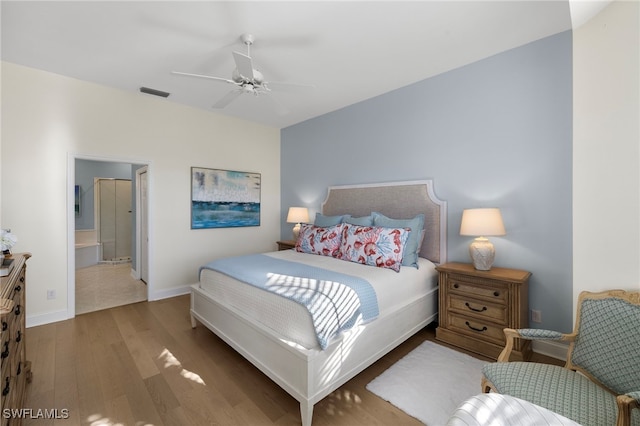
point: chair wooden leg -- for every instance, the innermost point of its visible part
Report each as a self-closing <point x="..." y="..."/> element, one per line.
<point x="625" y="405"/>
<point x="487" y="386"/>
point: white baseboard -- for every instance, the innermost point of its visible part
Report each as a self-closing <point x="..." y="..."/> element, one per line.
<point x="172" y="292"/>
<point x="552" y="348"/>
<point x="42" y="319"/>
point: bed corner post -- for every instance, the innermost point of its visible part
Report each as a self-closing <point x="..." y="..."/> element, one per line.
<point x="192" y="303"/>
<point x="306" y="413"/>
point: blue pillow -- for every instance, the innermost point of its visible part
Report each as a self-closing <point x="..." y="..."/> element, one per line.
<point x="324" y="221"/>
<point x="410" y="257"/>
<point x="359" y="221"/>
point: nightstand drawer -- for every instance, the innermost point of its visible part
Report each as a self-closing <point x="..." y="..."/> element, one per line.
<point x="477" y="328"/>
<point x="496" y="292"/>
<point x="478" y="308"/>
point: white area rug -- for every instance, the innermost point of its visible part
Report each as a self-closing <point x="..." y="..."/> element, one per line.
<point x="430" y="382"/>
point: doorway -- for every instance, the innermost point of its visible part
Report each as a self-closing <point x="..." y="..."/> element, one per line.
<point x="110" y="209"/>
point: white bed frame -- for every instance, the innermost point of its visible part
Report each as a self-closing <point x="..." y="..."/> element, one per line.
<point x="309" y="375"/>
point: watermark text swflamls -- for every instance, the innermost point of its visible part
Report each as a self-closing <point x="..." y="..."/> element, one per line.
<point x="35" y="413"/>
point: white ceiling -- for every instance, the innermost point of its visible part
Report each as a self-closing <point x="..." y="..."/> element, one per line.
<point x="349" y="50"/>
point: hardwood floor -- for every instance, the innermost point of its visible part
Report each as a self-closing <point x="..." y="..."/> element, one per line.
<point x="143" y="364"/>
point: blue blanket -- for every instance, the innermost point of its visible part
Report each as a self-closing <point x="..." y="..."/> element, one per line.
<point x="335" y="301"/>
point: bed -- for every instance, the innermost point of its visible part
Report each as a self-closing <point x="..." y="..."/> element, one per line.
<point x="301" y="367"/>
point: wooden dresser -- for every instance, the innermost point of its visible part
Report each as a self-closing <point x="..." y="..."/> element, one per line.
<point x="16" y="370"/>
<point x="475" y="306"/>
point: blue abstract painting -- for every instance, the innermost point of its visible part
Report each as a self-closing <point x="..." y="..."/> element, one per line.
<point x="224" y="198"/>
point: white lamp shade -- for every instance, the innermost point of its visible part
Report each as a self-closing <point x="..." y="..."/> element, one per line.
<point x="482" y="222"/>
<point x="298" y="215"/>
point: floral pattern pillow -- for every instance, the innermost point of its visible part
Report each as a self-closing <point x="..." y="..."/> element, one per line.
<point x="373" y="245"/>
<point x="324" y="241"/>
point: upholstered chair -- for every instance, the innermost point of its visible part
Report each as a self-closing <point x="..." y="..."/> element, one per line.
<point x="600" y="382"/>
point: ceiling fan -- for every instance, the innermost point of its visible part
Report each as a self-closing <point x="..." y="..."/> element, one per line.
<point x="246" y="78"/>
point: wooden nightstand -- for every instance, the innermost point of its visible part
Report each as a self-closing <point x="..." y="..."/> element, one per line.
<point x="286" y="244"/>
<point x="475" y="306"/>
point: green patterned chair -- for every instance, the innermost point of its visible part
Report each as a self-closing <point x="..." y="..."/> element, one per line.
<point x="600" y="382"/>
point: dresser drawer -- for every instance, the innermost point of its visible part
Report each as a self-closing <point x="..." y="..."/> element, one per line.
<point x="7" y="386"/>
<point x="18" y="286"/>
<point x="16" y="317"/>
<point x="6" y="343"/>
<point x="477" y="328"/>
<point x="496" y="292"/>
<point x="480" y="309"/>
<point x="6" y="371"/>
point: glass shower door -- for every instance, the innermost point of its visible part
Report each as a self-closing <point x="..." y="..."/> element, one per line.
<point x="115" y="219"/>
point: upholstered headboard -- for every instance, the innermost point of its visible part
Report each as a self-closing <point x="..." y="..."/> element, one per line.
<point x="398" y="200"/>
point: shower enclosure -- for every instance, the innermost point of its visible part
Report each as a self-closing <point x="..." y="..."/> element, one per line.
<point x="115" y="221"/>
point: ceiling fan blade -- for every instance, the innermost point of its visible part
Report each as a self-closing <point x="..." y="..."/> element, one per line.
<point x="289" y="87"/>
<point x="210" y="77"/>
<point x="227" y="99"/>
<point x="244" y="65"/>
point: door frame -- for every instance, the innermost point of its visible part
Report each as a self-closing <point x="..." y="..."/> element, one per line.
<point x="71" y="221"/>
<point x="141" y="221"/>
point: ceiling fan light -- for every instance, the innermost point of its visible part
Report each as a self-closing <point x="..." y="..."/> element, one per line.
<point x="258" y="77"/>
<point x="235" y="76"/>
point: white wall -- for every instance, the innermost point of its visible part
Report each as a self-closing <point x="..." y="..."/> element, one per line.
<point x="48" y="119"/>
<point x="606" y="151"/>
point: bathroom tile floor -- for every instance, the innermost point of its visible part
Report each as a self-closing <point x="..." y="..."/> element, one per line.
<point x="106" y="286"/>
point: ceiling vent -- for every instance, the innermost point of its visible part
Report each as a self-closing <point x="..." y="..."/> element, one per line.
<point x="154" y="92"/>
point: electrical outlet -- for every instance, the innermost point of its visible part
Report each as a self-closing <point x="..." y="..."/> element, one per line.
<point x="51" y="294"/>
<point x="536" y="316"/>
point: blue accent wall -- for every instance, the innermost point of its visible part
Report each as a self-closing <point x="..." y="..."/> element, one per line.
<point x="495" y="133"/>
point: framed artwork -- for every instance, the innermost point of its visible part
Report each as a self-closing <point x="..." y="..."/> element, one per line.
<point x="77" y="200"/>
<point x="224" y="198"/>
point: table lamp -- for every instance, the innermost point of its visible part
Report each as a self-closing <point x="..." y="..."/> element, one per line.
<point x="297" y="215"/>
<point x="482" y="223"/>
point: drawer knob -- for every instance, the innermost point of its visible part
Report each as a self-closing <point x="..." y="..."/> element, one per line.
<point x="456" y="286"/>
<point x="5" y="352"/>
<point x="18" y="310"/>
<point x="18" y="288"/>
<point x="4" y="325"/>
<point x="19" y="337"/>
<point x="5" y="390"/>
<point x="496" y="293"/>
<point x="484" y="308"/>
<point x="21" y="279"/>
<point x="474" y="328"/>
